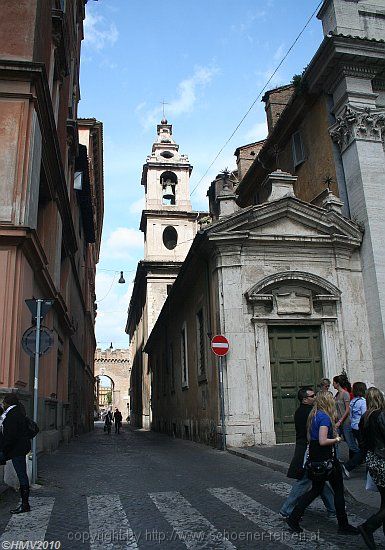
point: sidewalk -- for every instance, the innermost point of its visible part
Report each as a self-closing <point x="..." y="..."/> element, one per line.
<point x="278" y="458"/>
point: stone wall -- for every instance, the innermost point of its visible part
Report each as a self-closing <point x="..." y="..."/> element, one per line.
<point x="116" y="364"/>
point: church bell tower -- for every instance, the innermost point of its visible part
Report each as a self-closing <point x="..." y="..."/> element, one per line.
<point x="168" y="222"/>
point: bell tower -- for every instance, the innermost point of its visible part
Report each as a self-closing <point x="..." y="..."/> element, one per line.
<point x="168" y="222"/>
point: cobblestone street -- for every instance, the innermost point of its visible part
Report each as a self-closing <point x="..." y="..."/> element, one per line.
<point x="146" y="490"/>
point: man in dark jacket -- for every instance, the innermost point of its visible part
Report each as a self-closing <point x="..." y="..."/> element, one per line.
<point x="15" y="445"/>
<point x="296" y="470"/>
<point x="118" y="420"/>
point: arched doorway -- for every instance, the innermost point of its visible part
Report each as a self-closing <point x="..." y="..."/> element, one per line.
<point x="105" y="393"/>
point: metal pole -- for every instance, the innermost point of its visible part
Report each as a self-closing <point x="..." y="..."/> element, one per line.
<point x="222" y="396"/>
<point x="36" y="387"/>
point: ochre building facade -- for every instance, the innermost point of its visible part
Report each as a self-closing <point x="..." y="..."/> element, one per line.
<point x="51" y="212"/>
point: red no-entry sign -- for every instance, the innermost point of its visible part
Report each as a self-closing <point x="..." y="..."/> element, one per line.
<point x="220" y="345"/>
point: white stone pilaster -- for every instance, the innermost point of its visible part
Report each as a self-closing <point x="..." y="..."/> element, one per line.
<point x="359" y="133"/>
<point x="265" y="390"/>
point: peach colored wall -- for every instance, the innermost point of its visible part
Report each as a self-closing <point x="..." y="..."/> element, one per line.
<point x="17" y="29"/>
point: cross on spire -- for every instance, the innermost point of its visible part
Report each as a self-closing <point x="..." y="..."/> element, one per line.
<point x="163" y="104"/>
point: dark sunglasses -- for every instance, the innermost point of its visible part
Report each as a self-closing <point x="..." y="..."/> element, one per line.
<point x="312" y="395"/>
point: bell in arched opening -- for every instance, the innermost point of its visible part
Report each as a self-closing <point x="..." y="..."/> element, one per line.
<point x="168" y="192"/>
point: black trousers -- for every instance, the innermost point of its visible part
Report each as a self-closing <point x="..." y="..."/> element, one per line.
<point x="355" y="459"/>
<point x="337" y="484"/>
<point x="20" y="465"/>
<point x="376" y="520"/>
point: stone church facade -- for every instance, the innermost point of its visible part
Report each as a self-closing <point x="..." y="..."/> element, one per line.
<point x="290" y="268"/>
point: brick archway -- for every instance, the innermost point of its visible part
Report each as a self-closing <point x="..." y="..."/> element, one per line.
<point x="115" y="364"/>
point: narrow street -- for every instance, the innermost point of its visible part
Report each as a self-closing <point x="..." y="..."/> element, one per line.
<point x="145" y="490"/>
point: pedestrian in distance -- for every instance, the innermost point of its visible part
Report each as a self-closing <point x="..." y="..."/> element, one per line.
<point x="357" y="410"/>
<point x="296" y="469"/>
<point x="372" y="438"/>
<point x="15" y="444"/>
<point x="118" y="420"/>
<point x="342" y="399"/>
<point x="322" y="464"/>
<point x="108" y="422"/>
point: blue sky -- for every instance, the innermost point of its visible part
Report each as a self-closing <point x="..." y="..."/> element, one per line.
<point x="208" y="59"/>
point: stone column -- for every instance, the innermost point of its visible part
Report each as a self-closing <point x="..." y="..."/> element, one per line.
<point x="359" y="133"/>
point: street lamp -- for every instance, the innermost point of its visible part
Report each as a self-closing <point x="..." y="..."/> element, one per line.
<point x="121" y="278"/>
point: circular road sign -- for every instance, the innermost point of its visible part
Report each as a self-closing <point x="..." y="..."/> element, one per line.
<point x="28" y="341"/>
<point x="220" y="345"/>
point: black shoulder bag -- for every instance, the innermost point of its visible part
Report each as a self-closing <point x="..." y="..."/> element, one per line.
<point x="319" y="470"/>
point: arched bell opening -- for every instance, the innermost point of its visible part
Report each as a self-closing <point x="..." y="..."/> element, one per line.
<point x="168" y="181"/>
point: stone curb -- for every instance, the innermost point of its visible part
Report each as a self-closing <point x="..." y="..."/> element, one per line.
<point x="276" y="465"/>
<point x="271" y="463"/>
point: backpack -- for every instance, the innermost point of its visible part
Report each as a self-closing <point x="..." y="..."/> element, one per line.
<point x="32" y="428"/>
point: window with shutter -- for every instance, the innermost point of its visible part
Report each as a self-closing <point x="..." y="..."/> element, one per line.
<point x="183" y="352"/>
<point x="201" y="350"/>
<point x="298" y="149"/>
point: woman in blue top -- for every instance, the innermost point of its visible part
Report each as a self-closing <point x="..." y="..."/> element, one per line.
<point x="357" y="410"/>
<point x="322" y="438"/>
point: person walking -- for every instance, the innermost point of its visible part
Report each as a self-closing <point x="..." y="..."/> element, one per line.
<point x="372" y="435"/>
<point x="15" y="445"/>
<point x="342" y="399"/>
<point x="296" y="470"/>
<point x="108" y="422"/>
<point x="118" y="420"/>
<point x="357" y="410"/>
<point x="322" y="464"/>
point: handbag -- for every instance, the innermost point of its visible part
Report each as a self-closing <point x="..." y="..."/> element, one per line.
<point x="319" y="470"/>
<point x="32" y="427"/>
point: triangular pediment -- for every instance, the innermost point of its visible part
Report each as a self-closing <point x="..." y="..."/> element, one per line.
<point x="287" y="217"/>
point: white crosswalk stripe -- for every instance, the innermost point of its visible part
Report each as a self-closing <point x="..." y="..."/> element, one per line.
<point x="109" y="526"/>
<point x="31" y="526"/>
<point x="269" y="521"/>
<point x="190" y="526"/>
<point x="283" y="489"/>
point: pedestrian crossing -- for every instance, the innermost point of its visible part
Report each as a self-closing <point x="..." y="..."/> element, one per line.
<point x="110" y="523"/>
<point x="31" y="526"/>
<point x="283" y="489"/>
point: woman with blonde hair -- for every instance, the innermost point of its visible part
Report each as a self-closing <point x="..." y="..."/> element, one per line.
<point x="372" y="438"/>
<point x="322" y="464"/>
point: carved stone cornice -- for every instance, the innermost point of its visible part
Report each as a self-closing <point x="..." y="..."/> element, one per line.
<point x="357" y="123"/>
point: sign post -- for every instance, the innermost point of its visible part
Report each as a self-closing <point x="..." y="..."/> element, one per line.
<point x="39" y="309"/>
<point x="36" y="387"/>
<point x="220" y="347"/>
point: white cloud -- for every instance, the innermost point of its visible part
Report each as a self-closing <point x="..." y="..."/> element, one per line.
<point x="188" y="90"/>
<point x="137" y="206"/>
<point x="276" y="80"/>
<point x="98" y="33"/>
<point x="249" y="23"/>
<point x="257" y="132"/>
<point x="279" y="52"/>
<point x="122" y="243"/>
